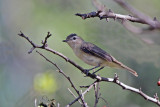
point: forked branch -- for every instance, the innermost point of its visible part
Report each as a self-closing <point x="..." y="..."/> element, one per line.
<point x="136" y="17"/>
<point x="114" y="80"/>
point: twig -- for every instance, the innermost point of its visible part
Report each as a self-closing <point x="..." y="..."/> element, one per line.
<point x="138" y="91"/>
<point x="60" y="71"/>
<point x="110" y="14"/>
<point x="104" y="101"/>
<point x="104" y="13"/>
<point x="83" y="99"/>
<point x="147" y="20"/>
<point x="44" y="44"/>
<point x="87" y="90"/>
<point x="96" y="89"/>
<point x="45" y="41"/>
<point x="93" y="76"/>
<point x="74" y="95"/>
<point x="84" y="86"/>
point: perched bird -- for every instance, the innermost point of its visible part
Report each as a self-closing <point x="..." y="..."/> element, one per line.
<point x="93" y="55"/>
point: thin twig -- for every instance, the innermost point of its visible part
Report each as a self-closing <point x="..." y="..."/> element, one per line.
<point x="83" y="98"/>
<point x="154" y="23"/>
<point x="60" y="71"/>
<point x="104" y="101"/>
<point x="74" y="95"/>
<point x="87" y="90"/>
<point x="104" y="13"/>
<point x="45" y="41"/>
<point x="96" y="89"/>
<point x="93" y="76"/>
<point x="110" y="14"/>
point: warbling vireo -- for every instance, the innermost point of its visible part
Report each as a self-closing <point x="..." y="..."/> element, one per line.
<point x="93" y="55"/>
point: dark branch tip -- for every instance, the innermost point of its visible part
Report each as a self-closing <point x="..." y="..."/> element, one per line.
<point x="49" y="34"/>
<point x="78" y="14"/>
<point x="21" y="34"/>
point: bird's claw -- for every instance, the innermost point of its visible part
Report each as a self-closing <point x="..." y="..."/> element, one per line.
<point x="86" y="71"/>
<point x="93" y="72"/>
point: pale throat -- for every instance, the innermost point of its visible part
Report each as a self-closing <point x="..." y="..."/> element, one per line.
<point x="75" y="46"/>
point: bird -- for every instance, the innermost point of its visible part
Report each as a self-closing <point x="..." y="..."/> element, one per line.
<point x="93" y="55"/>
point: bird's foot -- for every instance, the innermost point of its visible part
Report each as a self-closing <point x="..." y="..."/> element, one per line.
<point x="97" y="70"/>
<point x="94" y="72"/>
<point x="86" y="71"/>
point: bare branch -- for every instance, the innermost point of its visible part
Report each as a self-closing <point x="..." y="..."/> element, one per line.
<point x="96" y="89"/>
<point x="87" y="90"/>
<point x="104" y="101"/>
<point x="44" y="44"/>
<point x="104" y="13"/>
<point x="138" y="91"/>
<point x="93" y="76"/>
<point x="154" y="23"/>
<point x="110" y="14"/>
<point x="74" y="95"/>
<point x="83" y="99"/>
<point x="45" y="41"/>
<point x="60" y="71"/>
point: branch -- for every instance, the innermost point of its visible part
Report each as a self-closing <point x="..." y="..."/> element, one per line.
<point x="87" y="90"/>
<point x="153" y="23"/>
<point x="104" y="101"/>
<point x="104" y="13"/>
<point x="96" y="89"/>
<point x="110" y="14"/>
<point x="74" y="95"/>
<point x="93" y="76"/>
<point x="60" y="71"/>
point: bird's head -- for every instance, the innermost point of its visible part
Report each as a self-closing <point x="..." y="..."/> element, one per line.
<point x="73" y="40"/>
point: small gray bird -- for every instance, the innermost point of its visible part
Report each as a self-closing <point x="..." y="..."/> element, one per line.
<point x="93" y="55"/>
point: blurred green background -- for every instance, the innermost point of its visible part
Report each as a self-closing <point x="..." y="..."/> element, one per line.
<point x="24" y="77"/>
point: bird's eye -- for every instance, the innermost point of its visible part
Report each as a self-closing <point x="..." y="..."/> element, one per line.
<point x="74" y="38"/>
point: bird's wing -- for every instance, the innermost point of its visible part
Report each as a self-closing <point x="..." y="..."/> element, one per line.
<point x="92" y="49"/>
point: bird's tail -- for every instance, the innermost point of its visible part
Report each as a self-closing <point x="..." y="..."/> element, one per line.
<point x="130" y="70"/>
<point x="120" y="65"/>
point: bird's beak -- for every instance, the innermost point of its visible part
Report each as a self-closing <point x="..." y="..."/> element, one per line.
<point x="64" y="40"/>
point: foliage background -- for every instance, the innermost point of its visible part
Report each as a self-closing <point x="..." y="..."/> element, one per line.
<point x="24" y="77"/>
